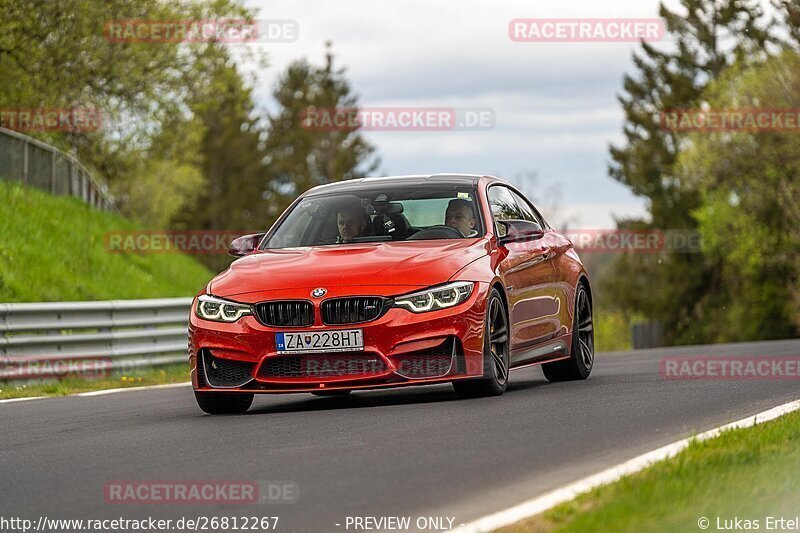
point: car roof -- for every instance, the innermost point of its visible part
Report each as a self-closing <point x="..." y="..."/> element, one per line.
<point x="415" y="179"/>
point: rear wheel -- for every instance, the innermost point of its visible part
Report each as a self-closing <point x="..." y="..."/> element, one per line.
<point x="581" y="360"/>
<point x="495" y="354"/>
<point x="217" y="403"/>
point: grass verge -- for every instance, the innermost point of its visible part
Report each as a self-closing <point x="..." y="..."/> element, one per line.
<point x="744" y="474"/>
<point x="53" y="249"/>
<point x="612" y="331"/>
<point x="175" y="373"/>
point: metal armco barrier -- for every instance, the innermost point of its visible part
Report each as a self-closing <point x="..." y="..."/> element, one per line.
<point x="130" y="333"/>
<point x="37" y="164"/>
<point x="647" y="335"/>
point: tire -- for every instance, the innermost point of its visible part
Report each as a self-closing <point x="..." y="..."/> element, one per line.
<point x="495" y="353"/>
<point x="331" y="393"/>
<point x="581" y="360"/>
<point x="215" y="403"/>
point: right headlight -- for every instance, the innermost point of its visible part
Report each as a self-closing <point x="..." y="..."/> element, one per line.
<point x="219" y="310"/>
<point x="435" y="298"/>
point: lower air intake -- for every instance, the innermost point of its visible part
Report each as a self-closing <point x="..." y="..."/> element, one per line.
<point x="225" y="372"/>
<point x="322" y="366"/>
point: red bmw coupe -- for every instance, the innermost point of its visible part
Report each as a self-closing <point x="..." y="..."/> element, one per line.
<point x="384" y="282"/>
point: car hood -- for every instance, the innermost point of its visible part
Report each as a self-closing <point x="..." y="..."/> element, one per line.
<point x="389" y="264"/>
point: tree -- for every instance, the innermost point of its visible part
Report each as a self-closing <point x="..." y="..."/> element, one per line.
<point x="300" y="157"/>
<point x="789" y="13"/>
<point x="59" y="55"/>
<point x="229" y="153"/>
<point x="750" y="212"/>
<point x="708" y="36"/>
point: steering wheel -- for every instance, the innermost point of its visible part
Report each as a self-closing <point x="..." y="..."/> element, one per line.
<point x="437" y="232"/>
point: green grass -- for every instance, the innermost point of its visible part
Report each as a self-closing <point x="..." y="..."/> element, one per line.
<point x="53" y="249"/>
<point x="748" y="473"/>
<point x="612" y="331"/>
<point x="175" y="373"/>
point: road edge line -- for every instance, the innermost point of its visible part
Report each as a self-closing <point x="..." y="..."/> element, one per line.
<point x="101" y="392"/>
<point x="24" y="399"/>
<point x="568" y="492"/>
<point x="127" y="389"/>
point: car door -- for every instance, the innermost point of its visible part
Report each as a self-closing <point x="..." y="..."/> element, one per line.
<point x="529" y="277"/>
<point x="563" y="268"/>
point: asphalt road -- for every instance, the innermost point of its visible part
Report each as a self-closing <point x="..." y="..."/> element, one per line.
<point x="407" y="452"/>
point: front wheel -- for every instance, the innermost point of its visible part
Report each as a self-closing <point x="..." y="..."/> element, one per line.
<point x="217" y="403"/>
<point x="495" y="354"/>
<point x="581" y="359"/>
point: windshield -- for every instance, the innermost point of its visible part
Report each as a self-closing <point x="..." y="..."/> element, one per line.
<point x="381" y="214"/>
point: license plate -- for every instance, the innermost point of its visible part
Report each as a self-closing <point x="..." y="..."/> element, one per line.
<point x="340" y="340"/>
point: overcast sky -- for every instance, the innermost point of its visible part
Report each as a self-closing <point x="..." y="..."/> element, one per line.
<point x="555" y="103"/>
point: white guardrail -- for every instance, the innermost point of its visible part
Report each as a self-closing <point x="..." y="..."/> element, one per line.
<point x="39" y="340"/>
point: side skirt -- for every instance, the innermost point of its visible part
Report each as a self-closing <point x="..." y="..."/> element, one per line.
<point x="552" y="351"/>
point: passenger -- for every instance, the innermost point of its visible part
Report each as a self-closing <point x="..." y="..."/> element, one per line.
<point x="460" y="215"/>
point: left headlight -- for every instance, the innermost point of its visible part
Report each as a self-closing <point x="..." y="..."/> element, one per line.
<point x="436" y="298"/>
<point x="219" y="310"/>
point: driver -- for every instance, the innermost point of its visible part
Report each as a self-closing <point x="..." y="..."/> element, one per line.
<point x="459" y="215"/>
<point x="352" y="222"/>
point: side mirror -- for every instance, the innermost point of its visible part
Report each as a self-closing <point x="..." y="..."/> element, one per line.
<point x="245" y="245"/>
<point x="518" y="231"/>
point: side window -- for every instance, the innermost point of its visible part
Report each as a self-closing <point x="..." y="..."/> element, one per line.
<point x="527" y="210"/>
<point x="503" y="205"/>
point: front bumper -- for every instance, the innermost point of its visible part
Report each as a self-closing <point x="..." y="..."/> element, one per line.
<point x="400" y="348"/>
